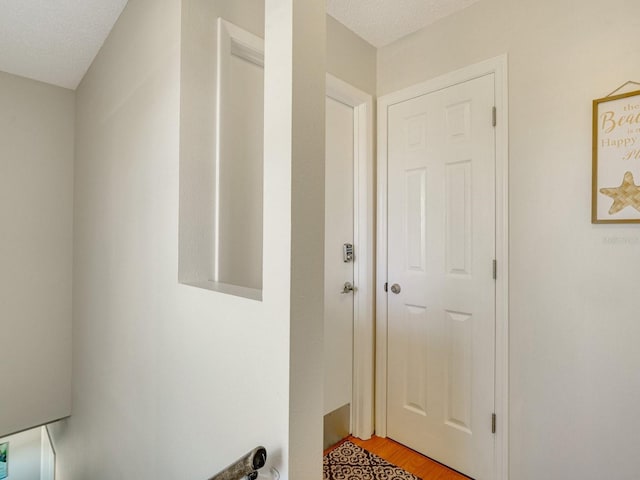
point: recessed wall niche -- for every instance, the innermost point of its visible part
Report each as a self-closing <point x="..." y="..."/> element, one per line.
<point x="221" y="146"/>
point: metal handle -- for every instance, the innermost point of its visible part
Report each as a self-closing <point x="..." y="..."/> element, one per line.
<point x="348" y="288"/>
<point x="395" y="288"/>
<point x="244" y="467"/>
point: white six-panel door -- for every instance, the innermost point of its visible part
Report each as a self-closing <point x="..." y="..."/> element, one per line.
<point x="441" y="246"/>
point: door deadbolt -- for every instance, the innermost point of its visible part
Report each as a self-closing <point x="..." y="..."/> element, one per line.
<point x="395" y="288"/>
<point x="347" y="252"/>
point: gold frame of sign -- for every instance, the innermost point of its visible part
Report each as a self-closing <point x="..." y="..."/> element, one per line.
<point x="616" y="159"/>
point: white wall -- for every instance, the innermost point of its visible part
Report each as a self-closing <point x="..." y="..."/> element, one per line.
<point x="24" y="455"/>
<point x="180" y="381"/>
<point x="574" y="313"/>
<point x="345" y="52"/>
<point x="348" y="57"/>
<point x="174" y="381"/>
<point x="36" y="192"/>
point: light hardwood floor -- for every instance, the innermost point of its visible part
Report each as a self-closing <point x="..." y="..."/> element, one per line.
<point x="405" y="458"/>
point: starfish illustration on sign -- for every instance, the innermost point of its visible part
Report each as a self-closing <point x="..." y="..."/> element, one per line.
<point x="626" y="195"/>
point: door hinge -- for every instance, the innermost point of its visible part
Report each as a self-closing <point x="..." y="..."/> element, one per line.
<point x="494" y="116"/>
<point x="386" y="286"/>
<point x="493" y="423"/>
<point x="495" y="269"/>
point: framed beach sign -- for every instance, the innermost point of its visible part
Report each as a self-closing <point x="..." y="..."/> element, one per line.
<point x="4" y="460"/>
<point x="616" y="159"/>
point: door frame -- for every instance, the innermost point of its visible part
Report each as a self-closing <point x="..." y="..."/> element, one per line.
<point x="362" y="413"/>
<point x="499" y="67"/>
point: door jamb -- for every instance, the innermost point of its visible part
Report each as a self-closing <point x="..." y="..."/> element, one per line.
<point x="497" y="66"/>
<point x="364" y="262"/>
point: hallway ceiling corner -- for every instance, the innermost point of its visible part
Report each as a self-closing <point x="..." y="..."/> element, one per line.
<point x="54" y="41"/>
<point x="381" y="22"/>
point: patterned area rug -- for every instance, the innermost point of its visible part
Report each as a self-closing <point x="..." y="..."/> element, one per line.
<point x="350" y="462"/>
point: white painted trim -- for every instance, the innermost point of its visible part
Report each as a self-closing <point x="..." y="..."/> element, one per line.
<point x="498" y="67"/>
<point x="241" y="43"/>
<point x="233" y="40"/>
<point x="502" y="281"/>
<point x="364" y="264"/>
<point x="381" y="274"/>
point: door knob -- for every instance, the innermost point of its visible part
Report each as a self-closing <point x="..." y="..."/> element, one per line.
<point x="395" y="288"/>
<point x="348" y="288"/>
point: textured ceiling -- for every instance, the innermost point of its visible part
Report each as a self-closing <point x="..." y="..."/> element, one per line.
<point x="54" y="41"/>
<point x="380" y="22"/>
